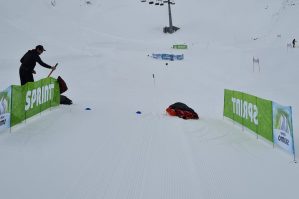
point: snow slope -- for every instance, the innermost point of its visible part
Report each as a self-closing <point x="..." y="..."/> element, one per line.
<point x="111" y="152"/>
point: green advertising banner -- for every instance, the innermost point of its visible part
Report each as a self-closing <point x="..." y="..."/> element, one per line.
<point x="33" y="98"/>
<point x="180" y="46"/>
<point x="250" y="111"/>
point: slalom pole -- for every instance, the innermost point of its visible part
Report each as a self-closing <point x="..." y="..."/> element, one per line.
<point x="51" y="81"/>
<point x="257" y="131"/>
<point x="272" y="115"/>
<point x="155" y="101"/>
<point x="253" y="64"/>
<point x="223" y="106"/>
<point x="11" y="89"/>
<point x="25" y="114"/>
<point x="40" y="107"/>
<point x="242" y="113"/>
<point x="294" y="153"/>
<point x="259" y="67"/>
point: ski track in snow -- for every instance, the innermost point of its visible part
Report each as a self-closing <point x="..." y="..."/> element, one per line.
<point x="110" y="152"/>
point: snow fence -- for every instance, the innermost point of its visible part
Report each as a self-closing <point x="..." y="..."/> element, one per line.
<point x="21" y="102"/>
<point x="264" y="117"/>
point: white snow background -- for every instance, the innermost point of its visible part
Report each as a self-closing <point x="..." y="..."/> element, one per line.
<point x="110" y="152"/>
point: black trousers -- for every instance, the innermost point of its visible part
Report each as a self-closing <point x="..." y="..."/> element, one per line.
<point x="25" y="76"/>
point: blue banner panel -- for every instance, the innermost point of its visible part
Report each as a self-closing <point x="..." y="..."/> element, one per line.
<point x="283" y="127"/>
<point x="5" y="104"/>
<point x="170" y="57"/>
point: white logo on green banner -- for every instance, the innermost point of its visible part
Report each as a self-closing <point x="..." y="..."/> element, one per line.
<point x="245" y="110"/>
<point x="282" y="127"/>
<point x="39" y="96"/>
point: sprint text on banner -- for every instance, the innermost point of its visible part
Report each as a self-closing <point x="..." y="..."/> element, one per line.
<point x="39" y="96"/>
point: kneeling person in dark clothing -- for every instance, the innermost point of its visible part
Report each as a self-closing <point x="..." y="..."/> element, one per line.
<point x="28" y="64"/>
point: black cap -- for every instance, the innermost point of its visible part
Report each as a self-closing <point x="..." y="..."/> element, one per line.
<point x="40" y="47"/>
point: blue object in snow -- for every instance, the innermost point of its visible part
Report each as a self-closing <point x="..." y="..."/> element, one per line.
<point x="88" y="109"/>
<point x="170" y="57"/>
<point x="138" y="112"/>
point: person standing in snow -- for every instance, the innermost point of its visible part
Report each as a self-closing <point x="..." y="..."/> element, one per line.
<point x="28" y="61"/>
<point x="294" y="42"/>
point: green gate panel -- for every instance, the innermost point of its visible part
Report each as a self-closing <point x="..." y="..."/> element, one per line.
<point x="250" y="111"/>
<point x="33" y="98"/>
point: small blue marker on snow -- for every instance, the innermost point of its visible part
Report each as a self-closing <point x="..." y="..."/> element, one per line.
<point x="138" y="112"/>
<point x="88" y="109"/>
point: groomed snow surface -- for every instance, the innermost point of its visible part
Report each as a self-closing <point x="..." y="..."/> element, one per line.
<point x="110" y="152"/>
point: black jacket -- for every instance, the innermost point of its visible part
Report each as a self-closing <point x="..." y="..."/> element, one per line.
<point x="29" y="61"/>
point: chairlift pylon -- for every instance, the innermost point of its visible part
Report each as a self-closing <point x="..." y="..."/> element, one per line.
<point x="171" y="29"/>
<point x="171" y="2"/>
